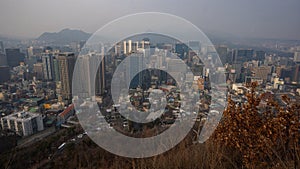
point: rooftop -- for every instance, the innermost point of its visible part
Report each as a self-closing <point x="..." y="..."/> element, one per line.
<point x="21" y="116"/>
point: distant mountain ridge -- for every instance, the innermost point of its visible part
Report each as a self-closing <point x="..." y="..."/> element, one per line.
<point x="64" y="36"/>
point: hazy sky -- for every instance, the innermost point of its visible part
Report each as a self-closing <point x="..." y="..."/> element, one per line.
<point x="245" y="18"/>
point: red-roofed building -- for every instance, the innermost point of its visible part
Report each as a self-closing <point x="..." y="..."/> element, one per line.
<point x="63" y="116"/>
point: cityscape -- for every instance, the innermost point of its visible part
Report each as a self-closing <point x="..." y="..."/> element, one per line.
<point x="230" y="102"/>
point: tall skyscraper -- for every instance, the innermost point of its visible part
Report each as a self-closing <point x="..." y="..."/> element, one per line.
<point x="287" y="74"/>
<point x="14" y="57"/>
<point x="297" y="57"/>
<point x="90" y="71"/>
<point x="135" y="46"/>
<point x="134" y="65"/>
<point x="84" y="67"/>
<point x="242" y="55"/>
<point x="296" y="77"/>
<point x="238" y="70"/>
<point x="175" y="68"/>
<point x="30" y="52"/>
<point x="222" y="51"/>
<point x="56" y="70"/>
<point x="1" y="47"/>
<point x="260" y="55"/>
<point x="66" y="62"/>
<point x="118" y="49"/>
<point x="230" y="56"/>
<point x="3" y="60"/>
<point x="129" y="46"/>
<point x="181" y="49"/>
<point x="47" y="60"/>
<point x="4" y="68"/>
<point x="125" y="47"/>
<point x="38" y="71"/>
<point x="101" y="77"/>
<point x="4" y="74"/>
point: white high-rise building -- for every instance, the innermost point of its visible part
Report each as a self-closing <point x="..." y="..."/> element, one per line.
<point x="91" y="71"/>
<point x="125" y="47"/>
<point x="85" y="73"/>
<point x="297" y="56"/>
<point x="23" y="123"/>
<point x="129" y="46"/>
<point x="135" y="64"/>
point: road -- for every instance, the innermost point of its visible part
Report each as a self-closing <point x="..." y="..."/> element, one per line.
<point x="36" y="137"/>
